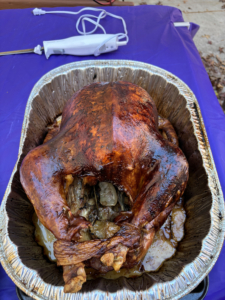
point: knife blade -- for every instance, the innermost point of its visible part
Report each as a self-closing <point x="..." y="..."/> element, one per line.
<point x="19" y="51"/>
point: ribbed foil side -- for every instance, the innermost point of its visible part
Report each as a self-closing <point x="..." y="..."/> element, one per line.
<point x="20" y="255"/>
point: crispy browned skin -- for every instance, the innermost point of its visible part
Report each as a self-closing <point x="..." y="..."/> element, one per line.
<point x="53" y="130"/>
<point x="74" y="277"/>
<point x="166" y="126"/>
<point x="68" y="253"/>
<point x="109" y="131"/>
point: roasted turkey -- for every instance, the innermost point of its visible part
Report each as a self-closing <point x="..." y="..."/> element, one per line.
<point x="109" y="133"/>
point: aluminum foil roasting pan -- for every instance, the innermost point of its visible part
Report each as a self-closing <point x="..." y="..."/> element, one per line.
<point x="22" y="257"/>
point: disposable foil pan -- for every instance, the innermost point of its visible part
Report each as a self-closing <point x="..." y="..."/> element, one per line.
<point x="22" y="257"/>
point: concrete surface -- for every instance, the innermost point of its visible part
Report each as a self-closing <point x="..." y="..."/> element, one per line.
<point x="209" y="15"/>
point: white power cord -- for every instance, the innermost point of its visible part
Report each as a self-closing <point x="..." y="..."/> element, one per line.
<point x="182" y="24"/>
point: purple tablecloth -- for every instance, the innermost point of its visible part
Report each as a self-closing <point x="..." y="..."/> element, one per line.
<point x="153" y="39"/>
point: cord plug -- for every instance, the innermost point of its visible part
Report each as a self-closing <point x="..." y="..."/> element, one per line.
<point x="39" y="11"/>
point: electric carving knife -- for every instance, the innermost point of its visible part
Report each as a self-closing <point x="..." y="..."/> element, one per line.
<point x="84" y="44"/>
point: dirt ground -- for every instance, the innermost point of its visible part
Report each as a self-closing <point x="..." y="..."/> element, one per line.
<point x="210" y="39"/>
